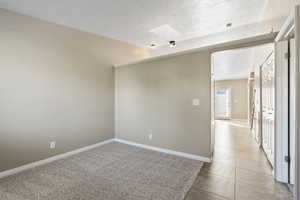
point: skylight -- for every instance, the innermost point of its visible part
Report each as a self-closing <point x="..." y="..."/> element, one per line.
<point x="165" y="32"/>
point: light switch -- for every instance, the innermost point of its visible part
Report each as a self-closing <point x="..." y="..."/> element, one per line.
<point x="52" y="145"/>
<point x="196" y="102"/>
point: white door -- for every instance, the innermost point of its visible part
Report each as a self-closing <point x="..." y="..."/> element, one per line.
<point x="282" y="111"/>
<point x="292" y="112"/>
<point x="268" y="107"/>
<point x="285" y="110"/>
<point x="287" y="73"/>
<point x="256" y="131"/>
<point x="223" y="103"/>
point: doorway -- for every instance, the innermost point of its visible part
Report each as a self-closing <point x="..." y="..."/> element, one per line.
<point x="273" y="110"/>
<point x="246" y="140"/>
<point x="223" y="103"/>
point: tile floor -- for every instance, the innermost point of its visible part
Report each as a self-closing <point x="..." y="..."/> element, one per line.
<point x="239" y="171"/>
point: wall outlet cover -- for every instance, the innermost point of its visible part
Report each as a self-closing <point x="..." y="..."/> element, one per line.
<point x="196" y="102"/>
<point x="150" y="136"/>
<point x="52" y="145"/>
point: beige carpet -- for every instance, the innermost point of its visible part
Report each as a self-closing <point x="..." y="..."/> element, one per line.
<point x="114" y="171"/>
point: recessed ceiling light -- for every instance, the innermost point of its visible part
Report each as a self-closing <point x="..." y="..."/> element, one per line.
<point x="228" y="24"/>
<point x="172" y="43"/>
<point x="152" y="45"/>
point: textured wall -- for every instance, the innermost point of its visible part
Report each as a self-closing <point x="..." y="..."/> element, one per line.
<point x="56" y="84"/>
<point x="155" y="97"/>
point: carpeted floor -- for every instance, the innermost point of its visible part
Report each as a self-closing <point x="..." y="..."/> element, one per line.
<point x="114" y="171"/>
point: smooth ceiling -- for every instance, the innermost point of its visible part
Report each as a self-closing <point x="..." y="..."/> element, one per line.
<point x="133" y="20"/>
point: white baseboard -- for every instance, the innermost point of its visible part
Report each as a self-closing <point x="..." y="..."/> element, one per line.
<point x="70" y="153"/>
<point x="51" y="159"/>
<point x="167" y="151"/>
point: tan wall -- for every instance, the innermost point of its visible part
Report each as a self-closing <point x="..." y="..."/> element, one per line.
<point x="155" y="97"/>
<point x="239" y="95"/>
<point x="56" y="84"/>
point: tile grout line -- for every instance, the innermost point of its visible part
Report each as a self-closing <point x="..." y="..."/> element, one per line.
<point x="215" y="194"/>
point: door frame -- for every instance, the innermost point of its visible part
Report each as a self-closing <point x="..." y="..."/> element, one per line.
<point x="292" y="25"/>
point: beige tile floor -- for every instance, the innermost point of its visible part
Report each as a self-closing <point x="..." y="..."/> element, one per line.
<point x="239" y="171"/>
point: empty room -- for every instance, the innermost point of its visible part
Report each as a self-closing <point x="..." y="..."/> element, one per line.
<point x="149" y="100"/>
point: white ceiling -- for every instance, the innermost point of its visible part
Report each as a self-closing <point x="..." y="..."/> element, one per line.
<point x="133" y="21"/>
<point x="238" y="63"/>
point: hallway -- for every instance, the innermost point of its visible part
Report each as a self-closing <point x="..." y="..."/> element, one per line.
<point x="240" y="170"/>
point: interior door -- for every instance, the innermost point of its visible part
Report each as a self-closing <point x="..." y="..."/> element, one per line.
<point x="256" y="130"/>
<point x="292" y="112"/>
<point x="268" y="107"/>
<point x="282" y="114"/>
<point x="223" y="103"/>
<point x="290" y="29"/>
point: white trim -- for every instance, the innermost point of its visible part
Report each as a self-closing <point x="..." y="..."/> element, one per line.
<point x="167" y="151"/>
<point x="287" y="28"/>
<point x="77" y="151"/>
<point x="51" y="159"/>
<point x="297" y="77"/>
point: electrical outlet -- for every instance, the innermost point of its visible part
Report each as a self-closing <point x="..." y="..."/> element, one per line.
<point x="52" y="145"/>
<point x="150" y="136"/>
